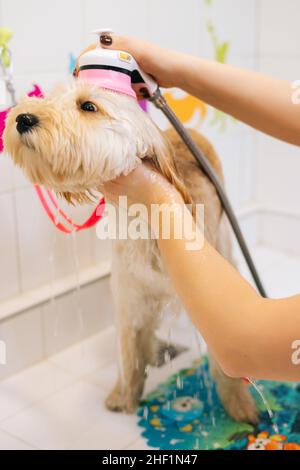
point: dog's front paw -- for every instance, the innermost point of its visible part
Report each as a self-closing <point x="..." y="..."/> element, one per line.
<point x="240" y="405"/>
<point x="118" y="402"/>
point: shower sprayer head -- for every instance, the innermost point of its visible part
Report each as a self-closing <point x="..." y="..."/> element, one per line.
<point x="115" y="70"/>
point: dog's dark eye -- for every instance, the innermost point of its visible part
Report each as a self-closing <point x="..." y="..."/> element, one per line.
<point x="89" y="107"/>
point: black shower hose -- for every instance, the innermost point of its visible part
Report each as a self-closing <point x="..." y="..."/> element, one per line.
<point x="159" y="101"/>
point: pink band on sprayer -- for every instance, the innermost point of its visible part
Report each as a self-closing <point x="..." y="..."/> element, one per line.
<point x="109" y="79"/>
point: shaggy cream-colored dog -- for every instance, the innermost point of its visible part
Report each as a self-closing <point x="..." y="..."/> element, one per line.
<point x="81" y="136"/>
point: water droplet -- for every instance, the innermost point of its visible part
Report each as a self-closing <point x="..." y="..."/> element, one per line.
<point x="167" y="357"/>
<point x="146" y="413"/>
<point x="179" y="382"/>
<point x="266" y="403"/>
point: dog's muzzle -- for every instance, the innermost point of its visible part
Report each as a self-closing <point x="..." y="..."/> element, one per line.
<point x="26" y="122"/>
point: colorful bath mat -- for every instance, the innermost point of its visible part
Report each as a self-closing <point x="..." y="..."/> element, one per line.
<point x="186" y="413"/>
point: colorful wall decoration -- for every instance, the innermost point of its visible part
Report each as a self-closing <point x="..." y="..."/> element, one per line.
<point x="188" y="106"/>
<point x="5" y="36"/>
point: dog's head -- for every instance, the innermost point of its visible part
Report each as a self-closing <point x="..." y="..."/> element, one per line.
<point x="81" y="136"/>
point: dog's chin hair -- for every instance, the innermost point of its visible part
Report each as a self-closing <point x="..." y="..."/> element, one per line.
<point x="27" y="143"/>
<point x="83" y="197"/>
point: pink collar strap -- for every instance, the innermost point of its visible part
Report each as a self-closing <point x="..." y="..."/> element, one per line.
<point x="67" y="225"/>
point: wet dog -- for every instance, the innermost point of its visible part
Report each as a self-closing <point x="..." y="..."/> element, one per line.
<point x="81" y="136"/>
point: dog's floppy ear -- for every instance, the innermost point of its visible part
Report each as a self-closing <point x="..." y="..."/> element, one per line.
<point x="164" y="161"/>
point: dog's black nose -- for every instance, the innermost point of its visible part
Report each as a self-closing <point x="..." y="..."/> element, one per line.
<point x="26" y="122"/>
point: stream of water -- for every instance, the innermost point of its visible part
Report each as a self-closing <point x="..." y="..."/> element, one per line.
<point x="266" y="403"/>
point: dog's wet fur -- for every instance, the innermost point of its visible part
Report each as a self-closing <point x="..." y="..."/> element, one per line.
<point x="73" y="152"/>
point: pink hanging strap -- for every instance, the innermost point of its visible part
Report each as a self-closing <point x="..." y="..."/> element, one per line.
<point x="96" y="216"/>
<point x="92" y="220"/>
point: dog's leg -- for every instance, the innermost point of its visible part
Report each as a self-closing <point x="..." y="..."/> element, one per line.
<point x="132" y="371"/>
<point x="235" y="395"/>
<point x="140" y="294"/>
<point x="137" y="314"/>
<point x="138" y="348"/>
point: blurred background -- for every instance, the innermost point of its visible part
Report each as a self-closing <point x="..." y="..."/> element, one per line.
<point x="54" y="288"/>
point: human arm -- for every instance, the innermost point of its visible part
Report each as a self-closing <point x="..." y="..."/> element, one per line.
<point x="260" y="101"/>
<point x="250" y="336"/>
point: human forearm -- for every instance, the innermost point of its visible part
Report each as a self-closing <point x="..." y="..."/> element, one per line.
<point x="249" y="336"/>
<point x="263" y="102"/>
<point x="244" y="331"/>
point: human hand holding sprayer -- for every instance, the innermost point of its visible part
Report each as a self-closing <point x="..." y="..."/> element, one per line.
<point x="245" y="332"/>
<point x="263" y="102"/>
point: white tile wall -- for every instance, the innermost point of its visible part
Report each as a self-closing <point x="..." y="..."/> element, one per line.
<point x="123" y="17"/>
<point x="235" y="21"/>
<point x="6" y="174"/>
<point x="8" y="442"/>
<point x="45" y="33"/>
<point x="23" y="336"/>
<point x="230" y="151"/>
<point x="247" y="169"/>
<point x="279" y="28"/>
<point x="278" y="164"/>
<point x="9" y="268"/>
<point x="280" y="231"/>
<point x="284" y="67"/>
<point x="41" y="332"/>
<point x="278" y="174"/>
<point x="178" y="25"/>
<point x="79" y="314"/>
<point x="39" y="241"/>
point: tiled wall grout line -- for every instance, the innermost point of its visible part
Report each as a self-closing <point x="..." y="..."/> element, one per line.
<point x="19" y="439"/>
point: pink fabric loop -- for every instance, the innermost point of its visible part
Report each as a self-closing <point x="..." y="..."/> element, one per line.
<point x="96" y="216"/>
